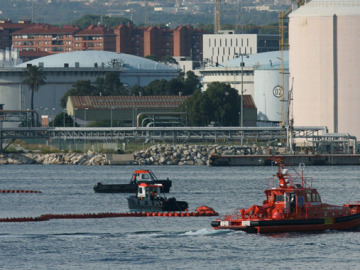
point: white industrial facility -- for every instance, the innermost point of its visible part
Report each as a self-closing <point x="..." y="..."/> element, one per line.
<point x="324" y="62"/>
<point x="227" y="45"/>
<point x="65" y="69"/>
<point x="264" y="76"/>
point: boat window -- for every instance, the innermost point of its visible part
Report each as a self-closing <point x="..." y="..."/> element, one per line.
<point x="308" y="197"/>
<point x="145" y="176"/>
<point x="314" y="197"/>
<point x="279" y="198"/>
<point x="318" y="197"/>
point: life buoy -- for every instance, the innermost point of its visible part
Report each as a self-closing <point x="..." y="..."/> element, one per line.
<point x="300" y="201"/>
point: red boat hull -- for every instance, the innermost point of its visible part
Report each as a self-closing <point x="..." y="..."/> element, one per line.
<point x="274" y="226"/>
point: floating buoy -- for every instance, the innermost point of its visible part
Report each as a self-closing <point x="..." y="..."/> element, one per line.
<point x="205" y="211"/>
<point x="18" y="191"/>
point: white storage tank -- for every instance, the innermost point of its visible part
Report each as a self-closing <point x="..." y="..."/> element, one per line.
<point x="324" y="62"/>
<point x="270" y="97"/>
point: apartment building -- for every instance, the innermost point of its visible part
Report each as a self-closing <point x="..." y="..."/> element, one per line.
<point x="182" y="41"/>
<point x="44" y="38"/>
<point x="7" y="27"/>
<point x="95" y="37"/>
<point x="37" y="40"/>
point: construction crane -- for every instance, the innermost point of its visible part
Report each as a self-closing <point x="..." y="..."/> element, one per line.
<point x="217" y="19"/>
<point x="147" y="13"/>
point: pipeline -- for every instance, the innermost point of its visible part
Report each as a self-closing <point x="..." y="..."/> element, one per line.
<point x="200" y="213"/>
<point x="18" y="191"/>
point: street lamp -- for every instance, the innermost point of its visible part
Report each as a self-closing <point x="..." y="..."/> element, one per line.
<point x="52" y="116"/>
<point x="265" y="105"/>
<point x="74" y="120"/>
<point x="242" y="64"/>
<point x="85" y="115"/>
<point x="64" y="112"/>
<point x="111" y="116"/>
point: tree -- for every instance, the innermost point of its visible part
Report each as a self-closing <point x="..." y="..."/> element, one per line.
<point x="110" y="85"/>
<point x="87" y="20"/>
<point x="80" y="88"/>
<point x="152" y="57"/>
<point x="219" y="103"/>
<point x="169" y="59"/>
<point x="34" y="77"/>
<point x="59" y="121"/>
<point x="191" y="83"/>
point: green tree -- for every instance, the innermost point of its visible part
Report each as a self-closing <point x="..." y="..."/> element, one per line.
<point x="110" y="85"/>
<point x="59" y="121"/>
<point x="152" y="57"/>
<point x="169" y="59"/>
<point x="34" y="77"/>
<point x="87" y="20"/>
<point x="219" y="103"/>
<point x="156" y="88"/>
<point x="191" y="83"/>
<point x="80" y="88"/>
<point x="136" y="90"/>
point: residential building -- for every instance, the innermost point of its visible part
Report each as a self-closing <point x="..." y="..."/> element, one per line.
<point x="95" y="37"/>
<point x="38" y="40"/>
<point x="44" y="38"/>
<point x="183" y="41"/>
<point x="7" y="27"/>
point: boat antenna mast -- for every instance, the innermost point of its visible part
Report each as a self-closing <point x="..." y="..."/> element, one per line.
<point x="290" y="120"/>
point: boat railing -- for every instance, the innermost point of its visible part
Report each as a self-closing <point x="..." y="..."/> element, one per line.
<point x="292" y="180"/>
<point x="236" y="215"/>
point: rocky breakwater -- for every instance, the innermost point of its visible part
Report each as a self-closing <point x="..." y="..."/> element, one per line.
<point x="183" y="154"/>
<point x="89" y="158"/>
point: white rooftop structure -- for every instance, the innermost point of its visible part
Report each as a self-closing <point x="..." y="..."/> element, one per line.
<point x="90" y="59"/>
<point x="324" y="8"/>
<point x="266" y="60"/>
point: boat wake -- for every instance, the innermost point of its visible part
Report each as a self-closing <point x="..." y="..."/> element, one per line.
<point x="205" y="232"/>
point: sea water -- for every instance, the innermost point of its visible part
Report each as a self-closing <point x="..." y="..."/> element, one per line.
<point x="163" y="242"/>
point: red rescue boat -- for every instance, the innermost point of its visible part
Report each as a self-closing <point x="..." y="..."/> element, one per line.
<point x="291" y="205"/>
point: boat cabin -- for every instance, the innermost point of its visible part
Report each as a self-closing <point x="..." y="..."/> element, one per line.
<point x="149" y="191"/>
<point x="143" y="175"/>
<point x="293" y="198"/>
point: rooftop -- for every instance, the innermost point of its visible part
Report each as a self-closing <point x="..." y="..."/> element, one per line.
<point x="88" y="59"/>
<point x="266" y="60"/>
<point x="127" y="102"/>
<point x="325" y="8"/>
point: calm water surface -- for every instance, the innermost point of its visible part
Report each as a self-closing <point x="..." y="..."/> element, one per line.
<point x="163" y="242"/>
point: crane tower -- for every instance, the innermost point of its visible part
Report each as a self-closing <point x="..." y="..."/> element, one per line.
<point x="217" y="19"/>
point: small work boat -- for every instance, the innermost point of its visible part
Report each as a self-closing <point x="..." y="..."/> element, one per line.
<point x="291" y="206"/>
<point x="148" y="198"/>
<point x="138" y="177"/>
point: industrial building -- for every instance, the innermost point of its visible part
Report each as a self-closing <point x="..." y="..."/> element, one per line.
<point x="324" y="64"/>
<point x="263" y="76"/>
<point x="63" y="70"/>
<point x="227" y="45"/>
<point x="124" y="110"/>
